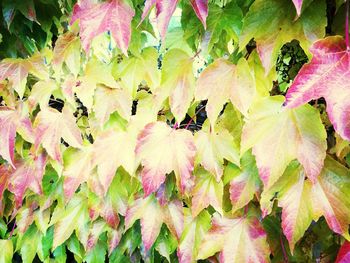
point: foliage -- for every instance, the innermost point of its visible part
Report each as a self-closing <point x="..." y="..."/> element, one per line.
<point x="174" y="130"/>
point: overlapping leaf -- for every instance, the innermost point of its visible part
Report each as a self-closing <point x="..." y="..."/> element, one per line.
<point x="325" y="76"/>
<point x="163" y="150"/>
<point x="94" y="19"/>
<point x="273" y="131"/>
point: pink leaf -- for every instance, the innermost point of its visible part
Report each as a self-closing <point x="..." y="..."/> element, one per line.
<point x="298" y="4"/>
<point x="201" y="9"/>
<point x="164" y="11"/>
<point x="112" y="15"/>
<point x="28" y="174"/>
<point x="327" y="75"/>
<point x="344" y="253"/>
<point x="163" y="150"/>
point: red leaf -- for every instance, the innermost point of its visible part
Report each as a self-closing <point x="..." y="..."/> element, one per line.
<point x="344" y="253"/>
<point x="28" y="174"/>
<point x="94" y="19"/>
<point x="327" y="75"/>
<point x="201" y="9"/>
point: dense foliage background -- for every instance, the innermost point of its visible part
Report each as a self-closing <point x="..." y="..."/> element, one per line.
<point x="176" y="131"/>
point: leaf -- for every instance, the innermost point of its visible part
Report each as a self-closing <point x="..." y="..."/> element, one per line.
<point x="28" y="174"/>
<point x="200" y="7"/>
<point x="214" y="84"/>
<point x="77" y="169"/>
<point x="277" y="27"/>
<point x="65" y="219"/>
<point x="343" y="253"/>
<point x="213" y="148"/>
<point x="272" y="131"/>
<point x="235" y="83"/>
<point x="41" y="93"/>
<point x="330" y="196"/>
<point x="134" y="70"/>
<point x="298" y="4"/>
<point x="223" y="23"/>
<point x="177" y="82"/>
<point x="163" y="150"/>
<point x="111" y="150"/>
<point x="51" y="125"/>
<point x="152" y="216"/>
<point x="95" y="73"/>
<point x="10" y="7"/>
<point x="207" y="191"/>
<point x="28" y="244"/>
<point x="238" y="240"/>
<point x="164" y="11"/>
<point x="191" y="238"/>
<point x="16" y="70"/>
<point x="67" y="50"/>
<point x="325" y="76"/>
<point x="94" y="19"/>
<point x="244" y="183"/>
<point x="7" y="251"/>
<point x="12" y="121"/>
<point x="109" y="100"/>
<point x="292" y="190"/>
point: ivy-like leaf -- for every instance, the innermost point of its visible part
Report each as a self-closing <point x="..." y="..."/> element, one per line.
<point x="200" y="7"/>
<point x="238" y="240"/>
<point x="325" y="76"/>
<point x="94" y="19"/>
<point x="17" y="70"/>
<point x="330" y="196"/>
<point x="152" y="217"/>
<point x="274" y="131"/>
<point x="213" y="148"/>
<point x="207" y="191"/>
<point x="344" y="253"/>
<point x="177" y="82"/>
<point x="28" y="174"/>
<point x="192" y="236"/>
<point x="51" y="125"/>
<point x="163" y="150"/>
<point x="12" y="121"/>
<point x="277" y="27"/>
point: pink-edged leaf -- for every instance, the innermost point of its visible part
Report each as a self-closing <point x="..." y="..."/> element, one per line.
<point x="173" y="215"/>
<point x="330" y="196"/>
<point x="327" y="75"/>
<point x="164" y="11"/>
<point x="17" y="70"/>
<point x="298" y="4"/>
<point x="114" y="237"/>
<point x="77" y="169"/>
<point x="152" y="215"/>
<point x="5" y="173"/>
<point x="163" y="150"/>
<point x="94" y="19"/>
<point x="191" y="238"/>
<point x="28" y="175"/>
<point x="238" y="240"/>
<point x="149" y="212"/>
<point x="272" y="130"/>
<point x="291" y="190"/>
<point x="344" y="253"/>
<point x="11" y="122"/>
<point x="207" y="191"/>
<point x="200" y="7"/>
<point x="111" y="150"/>
<point x="51" y="125"/>
<point x="245" y="181"/>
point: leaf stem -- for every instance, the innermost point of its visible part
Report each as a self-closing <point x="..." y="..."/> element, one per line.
<point x="192" y="118"/>
<point x="347" y="26"/>
<point x="283" y="250"/>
